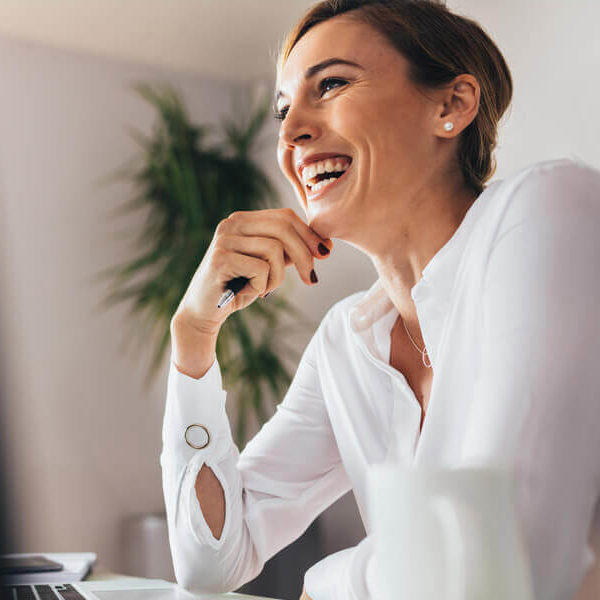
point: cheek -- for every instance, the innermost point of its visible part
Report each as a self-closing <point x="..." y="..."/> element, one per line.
<point x="396" y="136"/>
<point x="379" y="128"/>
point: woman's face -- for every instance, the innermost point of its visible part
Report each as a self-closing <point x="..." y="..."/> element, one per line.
<point x="367" y="114"/>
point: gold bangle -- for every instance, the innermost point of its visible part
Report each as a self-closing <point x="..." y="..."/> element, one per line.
<point x="191" y="443"/>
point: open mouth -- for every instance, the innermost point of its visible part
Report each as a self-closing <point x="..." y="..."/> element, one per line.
<point x="321" y="174"/>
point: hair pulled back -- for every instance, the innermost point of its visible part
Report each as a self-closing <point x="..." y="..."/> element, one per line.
<point x="438" y="45"/>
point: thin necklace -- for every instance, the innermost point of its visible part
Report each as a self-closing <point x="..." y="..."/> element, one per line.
<point x="423" y="352"/>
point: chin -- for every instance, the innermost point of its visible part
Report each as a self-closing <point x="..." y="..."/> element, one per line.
<point x="325" y="225"/>
<point x="321" y="230"/>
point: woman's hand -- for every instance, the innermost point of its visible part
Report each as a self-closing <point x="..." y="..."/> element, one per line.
<point x="258" y="245"/>
<point x="304" y="596"/>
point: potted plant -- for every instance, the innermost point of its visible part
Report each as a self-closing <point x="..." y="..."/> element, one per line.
<point x="187" y="184"/>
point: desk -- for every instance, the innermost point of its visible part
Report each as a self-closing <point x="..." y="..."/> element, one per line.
<point x="104" y="575"/>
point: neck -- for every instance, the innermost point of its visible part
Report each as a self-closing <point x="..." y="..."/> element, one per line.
<point x="403" y="247"/>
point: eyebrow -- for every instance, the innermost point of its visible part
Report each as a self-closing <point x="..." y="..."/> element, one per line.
<point x="312" y="71"/>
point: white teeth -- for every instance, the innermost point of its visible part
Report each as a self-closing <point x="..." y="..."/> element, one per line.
<point x="309" y="173"/>
<point x="322" y="183"/>
<point x="324" y="166"/>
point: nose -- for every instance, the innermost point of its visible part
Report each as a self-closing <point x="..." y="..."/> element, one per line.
<point x="299" y="127"/>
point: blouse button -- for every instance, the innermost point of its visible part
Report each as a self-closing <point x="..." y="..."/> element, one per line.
<point x="197" y="436"/>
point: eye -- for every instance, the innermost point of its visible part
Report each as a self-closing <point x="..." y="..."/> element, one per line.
<point x="330" y="81"/>
<point x="280" y="115"/>
<point x="325" y="85"/>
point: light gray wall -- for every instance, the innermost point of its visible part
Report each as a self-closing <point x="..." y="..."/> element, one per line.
<point x="553" y="51"/>
<point x="84" y="436"/>
<point x="85" y="431"/>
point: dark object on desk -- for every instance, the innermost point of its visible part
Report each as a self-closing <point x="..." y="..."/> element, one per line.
<point x="27" y="564"/>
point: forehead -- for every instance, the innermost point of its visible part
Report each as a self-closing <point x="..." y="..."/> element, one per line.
<point x="340" y="37"/>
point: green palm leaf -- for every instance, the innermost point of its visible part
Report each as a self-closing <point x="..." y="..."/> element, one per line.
<point x="186" y="185"/>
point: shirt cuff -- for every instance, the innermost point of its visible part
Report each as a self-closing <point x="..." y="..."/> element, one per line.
<point x="195" y="402"/>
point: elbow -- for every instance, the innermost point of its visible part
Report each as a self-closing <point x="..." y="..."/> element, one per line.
<point x="208" y="559"/>
<point x="198" y="567"/>
<point x="198" y="577"/>
<point x="208" y="572"/>
<point x="192" y="584"/>
<point x="206" y="579"/>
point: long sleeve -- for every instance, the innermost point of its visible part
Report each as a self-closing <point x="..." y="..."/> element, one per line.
<point x="344" y="575"/>
<point x="540" y="347"/>
<point x="285" y="477"/>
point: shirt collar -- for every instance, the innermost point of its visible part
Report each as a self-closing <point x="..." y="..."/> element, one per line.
<point x="373" y="316"/>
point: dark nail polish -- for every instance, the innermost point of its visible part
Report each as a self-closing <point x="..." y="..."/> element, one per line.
<point x="313" y="276"/>
<point x="323" y="249"/>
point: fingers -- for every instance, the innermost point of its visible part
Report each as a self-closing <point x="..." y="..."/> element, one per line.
<point x="300" y="244"/>
<point x="319" y="246"/>
<point x="268" y="249"/>
<point x="256" y="270"/>
<point x="258" y="245"/>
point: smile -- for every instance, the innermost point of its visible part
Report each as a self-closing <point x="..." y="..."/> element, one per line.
<point x="322" y="175"/>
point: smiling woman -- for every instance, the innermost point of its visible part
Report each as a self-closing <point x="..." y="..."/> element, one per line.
<point x="369" y="101"/>
<point x="389" y="112"/>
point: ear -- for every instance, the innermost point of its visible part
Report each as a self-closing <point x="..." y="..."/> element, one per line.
<point x="459" y="104"/>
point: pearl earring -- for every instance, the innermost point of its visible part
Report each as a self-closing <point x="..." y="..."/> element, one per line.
<point x="449" y="126"/>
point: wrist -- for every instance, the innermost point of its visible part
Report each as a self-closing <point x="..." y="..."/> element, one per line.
<point x="184" y="321"/>
<point x="193" y="349"/>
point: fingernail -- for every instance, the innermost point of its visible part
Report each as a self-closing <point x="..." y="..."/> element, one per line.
<point x="323" y="249"/>
<point x="313" y="276"/>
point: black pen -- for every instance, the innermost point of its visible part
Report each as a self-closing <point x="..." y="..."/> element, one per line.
<point x="231" y="289"/>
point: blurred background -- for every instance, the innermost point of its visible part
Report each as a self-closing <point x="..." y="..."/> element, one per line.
<point x="84" y="416"/>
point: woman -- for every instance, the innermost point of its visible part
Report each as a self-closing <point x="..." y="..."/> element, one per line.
<point x="389" y="112"/>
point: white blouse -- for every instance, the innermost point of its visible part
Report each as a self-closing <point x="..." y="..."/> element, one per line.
<point x="509" y="309"/>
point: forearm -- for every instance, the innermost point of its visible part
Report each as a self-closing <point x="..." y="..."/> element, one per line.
<point x="208" y="556"/>
<point x="211" y="545"/>
<point x="229" y="513"/>
<point x="211" y="497"/>
<point x="193" y="353"/>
